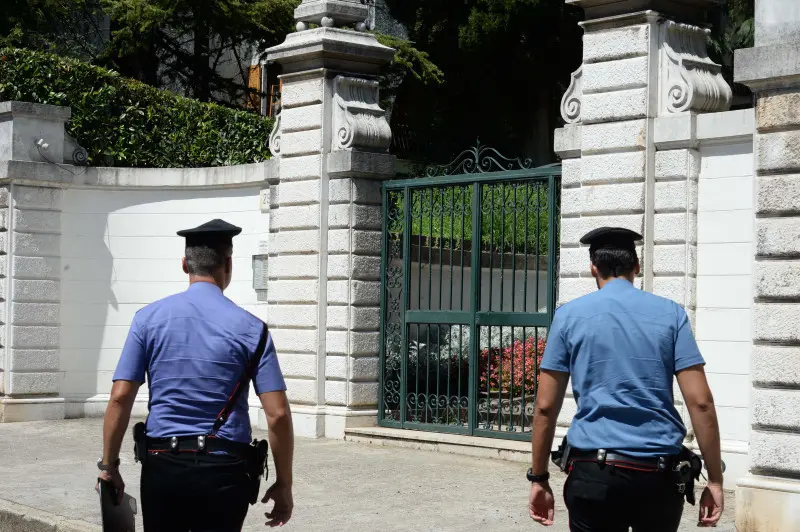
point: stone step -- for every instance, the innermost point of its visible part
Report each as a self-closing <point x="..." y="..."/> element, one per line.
<point x="479" y="447"/>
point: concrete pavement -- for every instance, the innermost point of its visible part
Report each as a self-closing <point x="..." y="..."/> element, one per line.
<point x="339" y="486"/>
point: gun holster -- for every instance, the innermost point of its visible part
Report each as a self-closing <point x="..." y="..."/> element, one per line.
<point x="560" y="457"/>
<point x="685" y="469"/>
<point x="257" y="466"/>
<point x="140" y="442"/>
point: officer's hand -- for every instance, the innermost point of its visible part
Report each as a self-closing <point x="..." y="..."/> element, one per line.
<point x="115" y="478"/>
<point x="282" y="511"/>
<point x="542" y="504"/>
<point x="712" y="502"/>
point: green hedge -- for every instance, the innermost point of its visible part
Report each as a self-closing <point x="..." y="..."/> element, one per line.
<point x="122" y="122"/>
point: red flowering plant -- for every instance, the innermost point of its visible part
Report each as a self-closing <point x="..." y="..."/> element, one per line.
<point x="512" y="369"/>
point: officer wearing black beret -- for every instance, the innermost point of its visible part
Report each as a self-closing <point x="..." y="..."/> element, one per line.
<point x="199" y="352"/>
<point x="623" y="347"/>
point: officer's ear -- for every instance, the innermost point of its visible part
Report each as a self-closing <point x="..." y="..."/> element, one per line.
<point x="594" y="271"/>
<point x="185" y="266"/>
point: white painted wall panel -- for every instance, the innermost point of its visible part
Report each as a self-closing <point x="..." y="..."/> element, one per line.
<point x="734" y="423"/>
<point x="725" y="291"/>
<point x="726" y="160"/>
<point x="724" y="325"/>
<point x="726" y="194"/>
<point x="727" y="227"/>
<point x="725" y="234"/>
<point x="727" y="357"/>
<point x="725" y="259"/>
<point x="120" y="252"/>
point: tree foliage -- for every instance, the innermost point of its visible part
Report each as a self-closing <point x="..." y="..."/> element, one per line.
<point x="184" y="42"/>
<point x="122" y="122"/>
<point x="506" y="64"/>
<point x="200" y="47"/>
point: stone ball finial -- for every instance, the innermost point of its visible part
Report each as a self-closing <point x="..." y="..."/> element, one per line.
<point x="301" y="26"/>
<point x="327" y="22"/>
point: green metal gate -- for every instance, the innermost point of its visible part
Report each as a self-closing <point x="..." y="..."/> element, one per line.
<point x="469" y="289"/>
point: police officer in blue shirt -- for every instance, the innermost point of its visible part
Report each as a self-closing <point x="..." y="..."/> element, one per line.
<point x="198" y="351"/>
<point x="624" y="454"/>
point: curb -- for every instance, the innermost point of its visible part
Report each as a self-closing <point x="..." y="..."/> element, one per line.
<point x="19" y="518"/>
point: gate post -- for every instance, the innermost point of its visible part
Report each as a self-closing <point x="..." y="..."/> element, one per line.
<point x="331" y="141"/>
<point x="30" y="263"/>
<point x="629" y="143"/>
<point x="769" y="499"/>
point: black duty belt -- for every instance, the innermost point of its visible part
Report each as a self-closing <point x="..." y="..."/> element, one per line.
<point x="197" y="444"/>
<point x="660" y="463"/>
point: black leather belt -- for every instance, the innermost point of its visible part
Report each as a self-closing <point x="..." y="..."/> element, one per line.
<point x="658" y="463"/>
<point x="197" y="444"/>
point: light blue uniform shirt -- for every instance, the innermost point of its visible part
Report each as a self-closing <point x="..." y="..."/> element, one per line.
<point x="622" y="346"/>
<point x="194" y="348"/>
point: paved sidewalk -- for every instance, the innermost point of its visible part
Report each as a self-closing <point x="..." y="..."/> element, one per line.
<point x="339" y="486"/>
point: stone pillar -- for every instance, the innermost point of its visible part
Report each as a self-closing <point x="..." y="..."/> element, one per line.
<point x="628" y="148"/>
<point x="30" y="248"/>
<point x="769" y="499"/>
<point x="331" y="140"/>
<point x="643" y="61"/>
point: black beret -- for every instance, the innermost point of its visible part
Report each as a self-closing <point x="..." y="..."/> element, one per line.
<point x="611" y="236"/>
<point x="215" y="231"/>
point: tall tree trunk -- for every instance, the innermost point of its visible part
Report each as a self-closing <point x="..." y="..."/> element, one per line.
<point x="140" y="64"/>
<point x="202" y="80"/>
<point x="538" y="144"/>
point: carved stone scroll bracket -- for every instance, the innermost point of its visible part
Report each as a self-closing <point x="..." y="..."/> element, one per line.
<point x="275" y="137"/>
<point x="358" y="120"/>
<point x="571" y="102"/>
<point x="74" y="153"/>
<point x="690" y="80"/>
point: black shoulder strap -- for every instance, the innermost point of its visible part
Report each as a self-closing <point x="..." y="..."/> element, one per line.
<point x="248" y="374"/>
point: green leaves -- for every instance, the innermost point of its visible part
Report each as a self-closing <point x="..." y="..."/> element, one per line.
<point x="409" y="59"/>
<point x="122" y="122"/>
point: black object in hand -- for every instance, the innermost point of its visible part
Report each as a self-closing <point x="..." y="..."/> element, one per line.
<point x="117" y="516"/>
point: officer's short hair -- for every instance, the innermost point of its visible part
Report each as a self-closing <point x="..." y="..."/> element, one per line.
<point x="612" y="250"/>
<point x="614" y="261"/>
<point x="205" y="260"/>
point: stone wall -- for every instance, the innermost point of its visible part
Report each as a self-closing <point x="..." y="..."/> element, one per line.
<point x="355" y="220"/>
<point x="643" y="123"/>
<point x="35" y="303"/>
<point x="119" y="252"/>
<point x="84" y="248"/>
<point x="768" y="499"/>
<point x="331" y="141"/>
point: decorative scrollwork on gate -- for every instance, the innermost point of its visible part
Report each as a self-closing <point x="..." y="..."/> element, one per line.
<point x="478" y="160"/>
<point x="393" y="285"/>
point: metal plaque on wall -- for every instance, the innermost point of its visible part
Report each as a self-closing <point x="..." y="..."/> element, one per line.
<point x="260" y="273"/>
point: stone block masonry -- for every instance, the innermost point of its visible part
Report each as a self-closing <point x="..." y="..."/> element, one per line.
<point x="621" y="169"/>
<point x="769" y="498"/>
<point x="298" y="228"/>
<point x="34" y="304"/>
<point x="604" y="175"/>
<point x="629" y="148"/>
<point x="326" y="220"/>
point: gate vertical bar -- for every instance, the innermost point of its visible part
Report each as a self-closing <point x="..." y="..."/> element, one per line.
<point x="552" y="245"/>
<point x="407" y="261"/>
<point x="475" y="302"/>
<point x="384" y="310"/>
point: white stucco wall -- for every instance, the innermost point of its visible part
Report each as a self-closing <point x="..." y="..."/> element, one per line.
<point x="119" y="252"/>
<point x="725" y="236"/>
